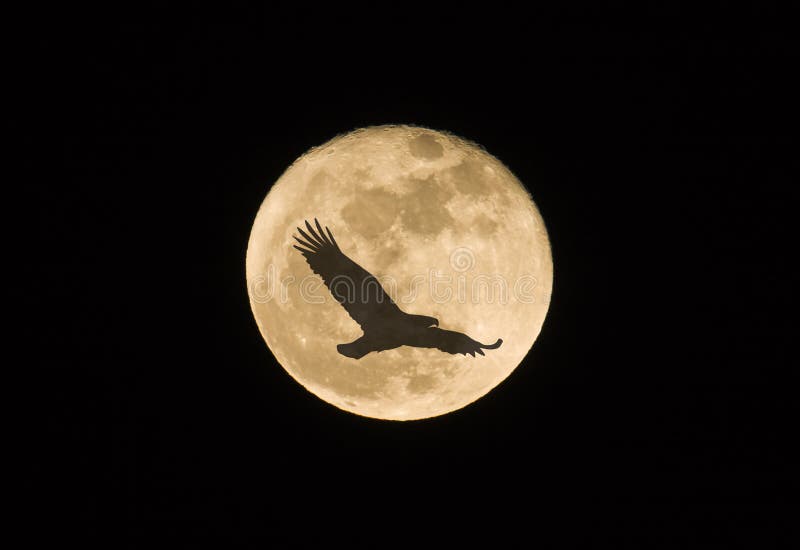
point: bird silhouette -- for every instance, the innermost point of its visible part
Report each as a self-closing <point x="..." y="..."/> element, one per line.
<point x="385" y="325"/>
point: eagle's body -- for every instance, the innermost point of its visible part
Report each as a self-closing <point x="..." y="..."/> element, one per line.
<point x="385" y="325"/>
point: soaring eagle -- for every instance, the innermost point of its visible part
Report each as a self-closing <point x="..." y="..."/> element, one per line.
<point x="384" y="324"/>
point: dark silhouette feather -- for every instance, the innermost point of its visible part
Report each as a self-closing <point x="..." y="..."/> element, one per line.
<point x="356" y="289"/>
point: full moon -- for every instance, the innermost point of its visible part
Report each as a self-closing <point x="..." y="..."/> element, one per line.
<point x="448" y="231"/>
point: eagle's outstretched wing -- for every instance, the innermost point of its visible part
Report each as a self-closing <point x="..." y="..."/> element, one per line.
<point x="357" y="290"/>
<point x="457" y="342"/>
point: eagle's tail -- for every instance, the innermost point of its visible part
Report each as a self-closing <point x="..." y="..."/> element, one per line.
<point x="493" y="346"/>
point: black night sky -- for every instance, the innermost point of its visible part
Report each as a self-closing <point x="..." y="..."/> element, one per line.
<point x="653" y="408"/>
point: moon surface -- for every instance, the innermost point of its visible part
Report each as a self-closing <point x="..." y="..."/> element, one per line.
<point x="448" y="230"/>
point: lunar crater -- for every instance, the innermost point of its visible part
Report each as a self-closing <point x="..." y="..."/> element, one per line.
<point x="426" y="147"/>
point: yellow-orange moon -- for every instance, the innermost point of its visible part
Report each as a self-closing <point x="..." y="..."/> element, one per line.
<point x="450" y="232"/>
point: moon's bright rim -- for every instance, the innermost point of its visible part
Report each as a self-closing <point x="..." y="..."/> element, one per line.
<point x="408" y="204"/>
